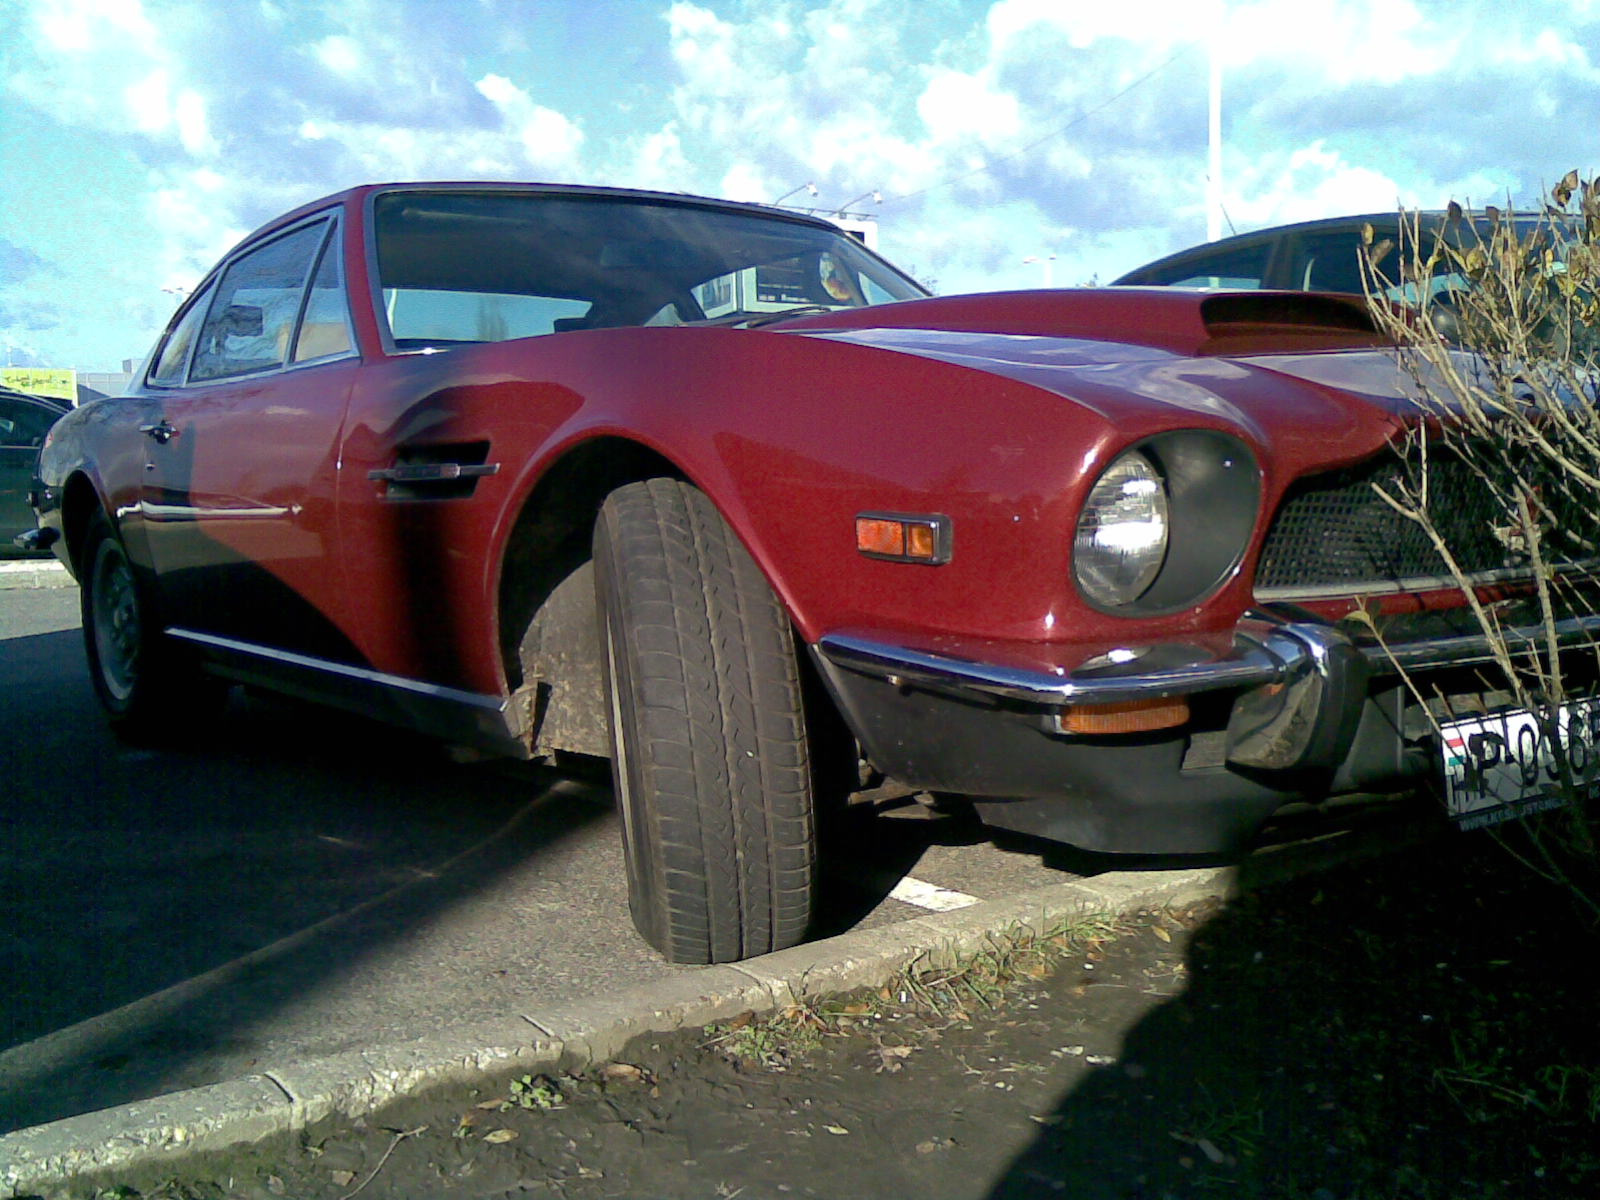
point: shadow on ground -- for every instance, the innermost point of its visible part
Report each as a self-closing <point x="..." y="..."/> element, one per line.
<point x="1421" y="1026"/>
<point x="159" y="901"/>
<point x="1418" y="1026"/>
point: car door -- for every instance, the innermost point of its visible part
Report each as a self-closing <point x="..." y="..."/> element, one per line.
<point x="240" y="462"/>
<point x="23" y="423"/>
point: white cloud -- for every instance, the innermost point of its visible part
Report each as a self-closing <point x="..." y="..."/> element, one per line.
<point x="1153" y="21"/>
<point x="1309" y="182"/>
<point x="341" y="54"/>
<point x="80" y="26"/>
<point x="149" y="102"/>
<point x="957" y="105"/>
<point x="745" y="182"/>
<point x="658" y="161"/>
<point x="548" y="138"/>
<point x="190" y="212"/>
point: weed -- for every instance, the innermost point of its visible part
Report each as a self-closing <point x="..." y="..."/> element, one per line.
<point x="536" y="1091"/>
<point x="1572" y="1093"/>
<point x="978" y="980"/>
<point x="1239" y="1128"/>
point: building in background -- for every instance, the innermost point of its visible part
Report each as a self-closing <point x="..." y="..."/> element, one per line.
<point x="66" y="383"/>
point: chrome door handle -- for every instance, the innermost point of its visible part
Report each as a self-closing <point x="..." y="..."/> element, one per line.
<point x="160" y="431"/>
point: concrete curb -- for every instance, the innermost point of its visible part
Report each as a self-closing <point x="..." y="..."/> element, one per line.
<point x="44" y="1159"/>
<point x="34" y="573"/>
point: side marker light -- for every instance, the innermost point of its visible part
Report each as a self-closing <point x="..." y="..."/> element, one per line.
<point x="903" y="537"/>
<point x="1130" y="716"/>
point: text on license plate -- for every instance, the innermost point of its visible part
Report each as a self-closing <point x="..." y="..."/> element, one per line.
<point x="1502" y="765"/>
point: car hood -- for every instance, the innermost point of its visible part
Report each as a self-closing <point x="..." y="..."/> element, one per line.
<point x="1270" y="363"/>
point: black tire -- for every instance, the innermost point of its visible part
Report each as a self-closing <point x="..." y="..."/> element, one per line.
<point x="710" y="760"/>
<point x="144" y="682"/>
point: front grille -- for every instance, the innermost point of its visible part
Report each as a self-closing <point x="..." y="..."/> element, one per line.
<point x="1334" y="535"/>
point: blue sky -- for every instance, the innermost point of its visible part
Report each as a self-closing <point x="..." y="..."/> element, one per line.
<point x="138" y="141"/>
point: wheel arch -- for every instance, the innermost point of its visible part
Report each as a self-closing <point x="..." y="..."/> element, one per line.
<point x="548" y="637"/>
<point x="548" y="633"/>
<point x="80" y="500"/>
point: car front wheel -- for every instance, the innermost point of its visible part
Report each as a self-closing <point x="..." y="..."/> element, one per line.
<point x="710" y="759"/>
<point x="139" y="676"/>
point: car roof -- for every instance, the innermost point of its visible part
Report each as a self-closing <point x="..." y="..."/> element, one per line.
<point x="1429" y="218"/>
<point x="362" y="192"/>
<point x="34" y="398"/>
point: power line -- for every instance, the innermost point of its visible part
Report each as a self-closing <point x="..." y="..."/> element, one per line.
<point x="1054" y="133"/>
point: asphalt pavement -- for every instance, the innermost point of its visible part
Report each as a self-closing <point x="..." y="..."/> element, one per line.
<point x="285" y="912"/>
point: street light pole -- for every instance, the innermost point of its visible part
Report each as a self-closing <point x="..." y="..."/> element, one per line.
<point x="1049" y="261"/>
<point x="1214" y="173"/>
<point x="808" y="187"/>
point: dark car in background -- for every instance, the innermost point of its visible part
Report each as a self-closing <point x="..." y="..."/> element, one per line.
<point x="24" y="420"/>
<point x="1310" y="256"/>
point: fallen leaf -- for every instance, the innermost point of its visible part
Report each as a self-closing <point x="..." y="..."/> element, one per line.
<point x="1209" y="1148"/>
<point x="889" y="1057"/>
<point x="487" y="1105"/>
<point x="499" y="1136"/>
<point x="620" y="1072"/>
<point x="1161" y="933"/>
<point x="837" y="1130"/>
<point x="342" y="1178"/>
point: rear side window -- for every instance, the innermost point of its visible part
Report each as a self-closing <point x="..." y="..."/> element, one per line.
<point x="174" y="354"/>
<point x="257" y="307"/>
<point x="1245" y="267"/>
<point x="325" y="328"/>
<point x="24" y="424"/>
<point x="1331" y="262"/>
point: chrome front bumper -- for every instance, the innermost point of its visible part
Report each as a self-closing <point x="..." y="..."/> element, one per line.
<point x="1300" y="683"/>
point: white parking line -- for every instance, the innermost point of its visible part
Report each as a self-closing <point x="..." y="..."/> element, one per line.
<point x="927" y="895"/>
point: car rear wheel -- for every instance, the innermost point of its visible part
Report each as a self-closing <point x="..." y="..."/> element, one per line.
<point x="139" y="676"/>
<point x="710" y="759"/>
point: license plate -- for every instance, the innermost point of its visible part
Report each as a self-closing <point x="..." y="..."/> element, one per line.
<point x="1502" y="765"/>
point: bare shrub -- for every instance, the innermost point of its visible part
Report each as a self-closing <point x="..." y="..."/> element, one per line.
<point x="1497" y="317"/>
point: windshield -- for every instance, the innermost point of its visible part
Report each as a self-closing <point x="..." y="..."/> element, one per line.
<point x="463" y="267"/>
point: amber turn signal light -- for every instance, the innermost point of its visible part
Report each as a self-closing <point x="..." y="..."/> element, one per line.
<point x="1130" y="716"/>
<point x="903" y="537"/>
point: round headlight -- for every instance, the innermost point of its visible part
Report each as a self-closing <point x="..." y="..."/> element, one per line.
<point x="1122" y="533"/>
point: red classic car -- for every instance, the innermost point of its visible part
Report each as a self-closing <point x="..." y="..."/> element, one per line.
<point x="714" y="491"/>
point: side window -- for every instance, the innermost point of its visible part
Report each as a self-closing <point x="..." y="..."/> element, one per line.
<point x="429" y="317"/>
<point x="1241" y="268"/>
<point x="174" y="356"/>
<point x="1331" y="262"/>
<point x="253" y="315"/>
<point x="325" y="329"/>
<point x="24" y="424"/>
